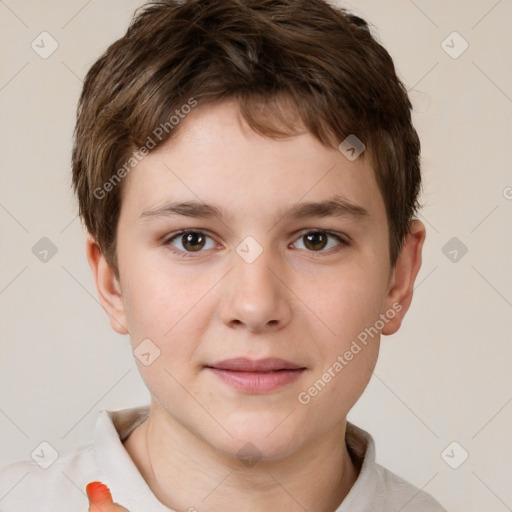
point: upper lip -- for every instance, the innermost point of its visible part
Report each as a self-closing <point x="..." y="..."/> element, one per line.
<point x="243" y="364"/>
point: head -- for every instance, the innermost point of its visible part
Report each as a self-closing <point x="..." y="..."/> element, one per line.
<point x="240" y="107"/>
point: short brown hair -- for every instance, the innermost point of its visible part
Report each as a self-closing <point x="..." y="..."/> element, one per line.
<point x="319" y="59"/>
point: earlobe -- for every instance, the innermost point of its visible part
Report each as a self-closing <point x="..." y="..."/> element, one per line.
<point x="108" y="287"/>
<point x="404" y="275"/>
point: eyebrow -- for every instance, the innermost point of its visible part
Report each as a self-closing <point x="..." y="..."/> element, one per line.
<point x="337" y="206"/>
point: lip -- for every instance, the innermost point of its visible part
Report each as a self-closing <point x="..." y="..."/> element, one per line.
<point x="243" y="364"/>
<point x="256" y="376"/>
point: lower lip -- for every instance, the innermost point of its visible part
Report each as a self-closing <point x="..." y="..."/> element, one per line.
<point x="258" y="382"/>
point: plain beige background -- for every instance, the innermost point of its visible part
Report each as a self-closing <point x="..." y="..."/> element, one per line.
<point x="444" y="378"/>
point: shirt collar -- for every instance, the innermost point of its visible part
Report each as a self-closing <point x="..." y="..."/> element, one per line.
<point x="124" y="479"/>
<point x="121" y="473"/>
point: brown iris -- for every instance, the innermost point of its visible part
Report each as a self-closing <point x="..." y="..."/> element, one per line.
<point x="315" y="241"/>
<point x="193" y="241"/>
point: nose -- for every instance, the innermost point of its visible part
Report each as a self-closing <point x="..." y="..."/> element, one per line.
<point x="255" y="295"/>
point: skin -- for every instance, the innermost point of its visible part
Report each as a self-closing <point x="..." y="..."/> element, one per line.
<point x="100" y="499"/>
<point x="298" y="301"/>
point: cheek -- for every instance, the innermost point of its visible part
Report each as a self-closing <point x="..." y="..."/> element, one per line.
<point x="166" y="311"/>
<point x="348" y="302"/>
<point x="157" y="299"/>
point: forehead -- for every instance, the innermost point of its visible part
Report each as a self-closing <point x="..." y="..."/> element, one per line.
<point x="216" y="158"/>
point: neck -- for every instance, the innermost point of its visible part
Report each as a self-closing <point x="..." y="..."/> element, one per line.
<point x="185" y="473"/>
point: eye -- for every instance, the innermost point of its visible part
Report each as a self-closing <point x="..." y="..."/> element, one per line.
<point x="190" y="241"/>
<point x="187" y="242"/>
<point x="318" y="241"/>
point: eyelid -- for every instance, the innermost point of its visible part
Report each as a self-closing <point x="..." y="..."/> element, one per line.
<point x="342" y="236"/>
<point x="343" y="241"/>
<point x="167" y="241"/>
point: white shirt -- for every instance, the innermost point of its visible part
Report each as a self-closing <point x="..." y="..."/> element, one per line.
<point x="28" y="487"/>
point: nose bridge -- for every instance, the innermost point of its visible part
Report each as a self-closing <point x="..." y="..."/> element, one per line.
<point x="253" y="263"/>
<point x="255" y="296"/>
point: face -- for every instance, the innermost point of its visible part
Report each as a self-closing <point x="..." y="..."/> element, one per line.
<point x="256" y="300"/>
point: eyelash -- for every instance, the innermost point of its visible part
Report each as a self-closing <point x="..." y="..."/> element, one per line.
<point x="191" y="254"/>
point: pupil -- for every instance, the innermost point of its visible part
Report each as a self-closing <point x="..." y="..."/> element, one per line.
<point x="316" y="240"/>
<point x="192" y="240"/>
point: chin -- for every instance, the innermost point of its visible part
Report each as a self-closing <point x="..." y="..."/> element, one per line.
<point x="259" y="437"/>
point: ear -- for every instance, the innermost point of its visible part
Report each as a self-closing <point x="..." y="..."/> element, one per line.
<point x="404" y="274"/>
<point x="108" y="287"/>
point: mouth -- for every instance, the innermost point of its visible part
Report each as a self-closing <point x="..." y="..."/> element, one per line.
<point x="256" y="376"/>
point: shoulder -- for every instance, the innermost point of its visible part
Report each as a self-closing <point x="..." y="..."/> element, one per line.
<point x="397" y="492"/>
<point x="377" y="489"/>
<point x="55" y="482"/>
<point x="48" y="485"/>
